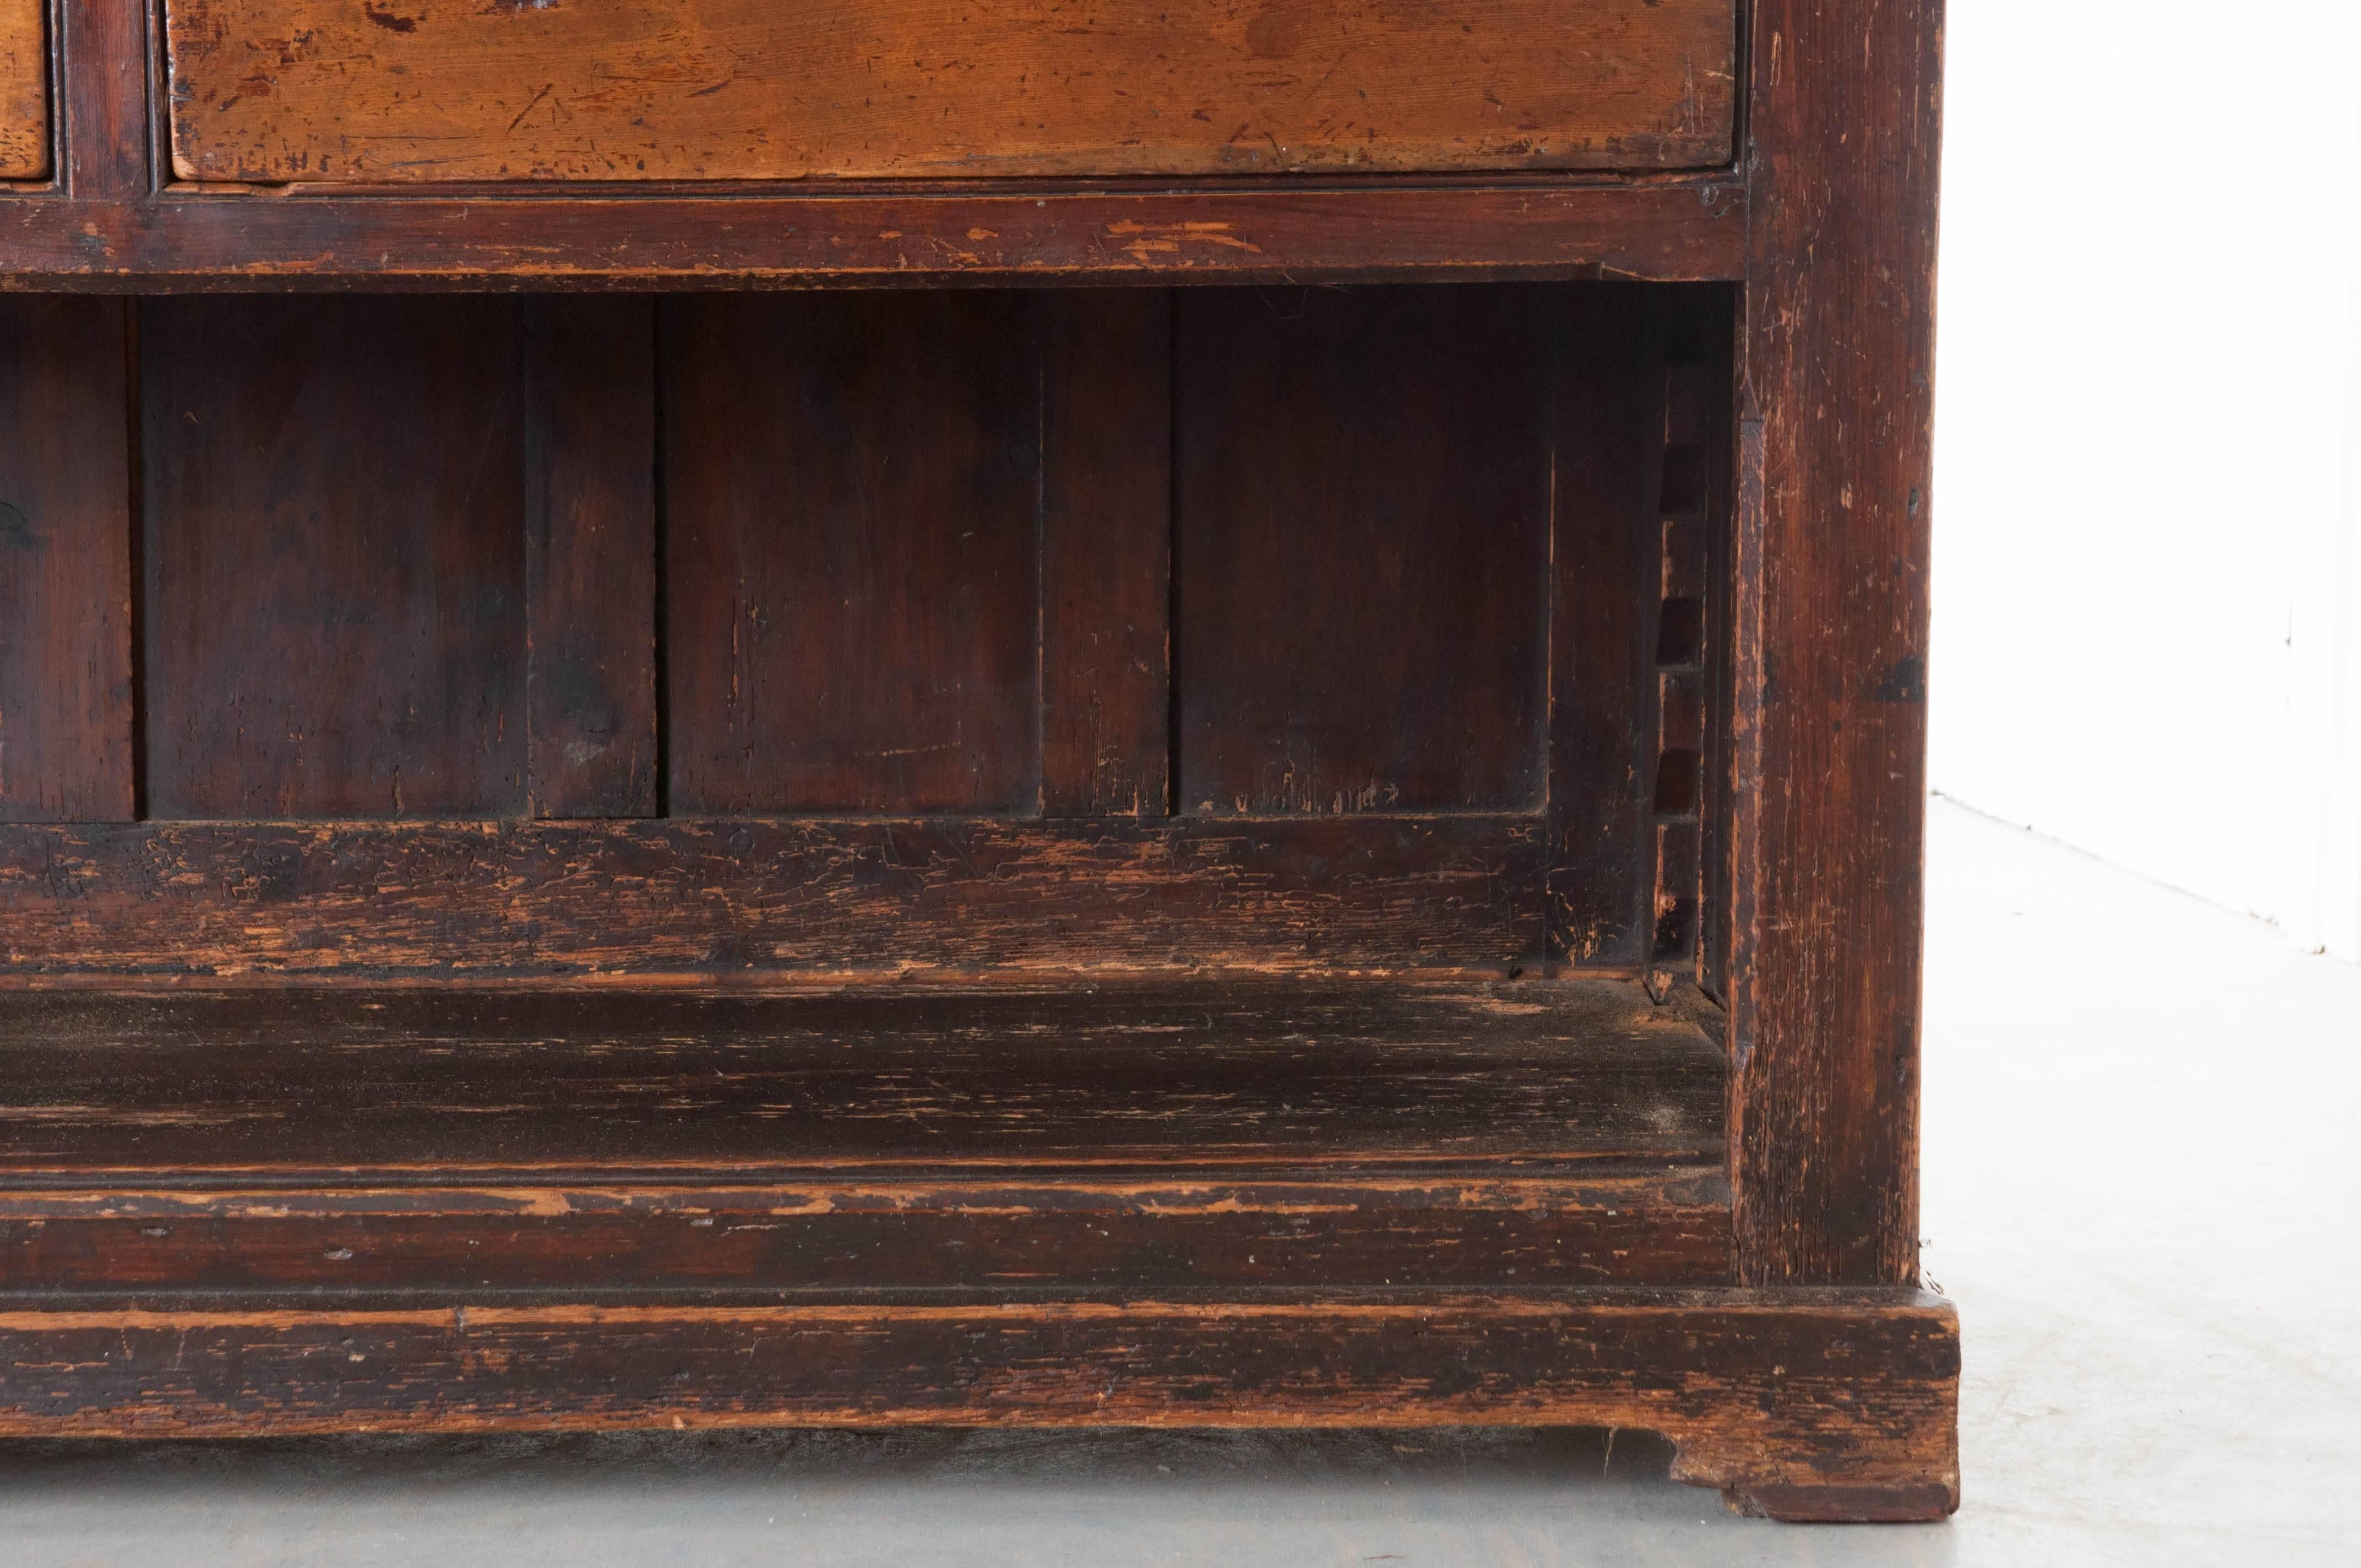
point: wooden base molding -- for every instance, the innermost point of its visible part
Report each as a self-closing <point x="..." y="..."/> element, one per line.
<point x="1799" y="1404"/>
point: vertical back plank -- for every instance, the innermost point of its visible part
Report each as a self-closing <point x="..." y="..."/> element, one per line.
<point x="1363" y="527"/>
<point x="851" y="518"/>
<point x="1107" y="552"/>
<point x="1841" y="296"/>
<point x="590" y="556"/>
<point x="334" y="560"/>
<point x="65" y="563"/>
<point x="1605" y="559"/>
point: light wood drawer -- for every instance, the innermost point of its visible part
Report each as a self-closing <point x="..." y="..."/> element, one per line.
<point x="410" y="91"/>
<point x="24" y="92"/>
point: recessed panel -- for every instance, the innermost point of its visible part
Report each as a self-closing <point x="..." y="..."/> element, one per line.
<point x="1362" y="576"/>
<point x="401" y="91"/>
<point x="852" y="514"/>
<point x="335" y="558"/>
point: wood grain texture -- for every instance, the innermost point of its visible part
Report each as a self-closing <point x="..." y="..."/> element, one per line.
<point x="432" y="1084"/>
<point x="24" y="91"/>
<point x="65" y="563"/>
<point x="1107" y="552"/>
<point x="853" y="495"/>
<point x="719" y="900"/>
<point x="1162" y="1229"/>
<point x="202" y="240"/>
<point x="271" y="91"/>
<point x="1802" y="1404"/>
<point x="1361" y="602"/>
<point x="1829" y="794"/>
<point x="103" y="49"/>
<point x="335" y="558"/>
<point x="590" y="557"/>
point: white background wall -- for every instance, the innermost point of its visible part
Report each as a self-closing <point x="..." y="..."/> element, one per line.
<point x="2148" y="612"/>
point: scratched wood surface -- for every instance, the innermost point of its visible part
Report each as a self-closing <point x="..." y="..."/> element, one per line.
<point x="1799" y="1404"/>
<point x="586" y="1232"/>
<point x="24" y="91"/>
<point x="429" y="1081"/>
<point x="578" y="237"/>
<point x="721" y="900"/>
<point x="310" y="89"/>
<point x="1830" y="726"/>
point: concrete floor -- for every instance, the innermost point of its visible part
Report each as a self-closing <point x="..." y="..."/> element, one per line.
<point x="2142" y="1142"/>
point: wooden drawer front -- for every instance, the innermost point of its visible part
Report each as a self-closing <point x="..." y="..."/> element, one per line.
<point x="24" y="92"/>
<point x="432" y="90"/>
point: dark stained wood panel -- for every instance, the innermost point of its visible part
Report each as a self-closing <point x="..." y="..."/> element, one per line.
<point x="444" y="1083"/>
<point x="590" y="556"/>
<point x="322" y="90"/>
<point x="1364" y="503"/>
<point x="1157" y="1228"/>
<point x="65" y="563"/>
<point x="335" y="558"/>
<point x="1107" y="541"/>
<point x="24" y="91"/>
<point x="724" y="900"/>
<point x="852" y="510"/>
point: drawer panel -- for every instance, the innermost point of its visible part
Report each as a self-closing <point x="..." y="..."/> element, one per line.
<point x="24" y="92"/>
<point x="420" y="91"/>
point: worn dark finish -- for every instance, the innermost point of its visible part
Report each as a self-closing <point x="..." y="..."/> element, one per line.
<point x="189" y="240"/>
<point x="719" y="899"/>
<point x="1157" y="1229"/>
<point x="335" y="558"/>
<point x="65" y="563"/>
<point x="995" y="854"/>
<point x="1849" y="1396"/>
<point x="1106" y="554"/>
<point x="853" y="495"/>
<point x="1173" y="1134"/>
<point x="1364" y="485"/>
<point x="590" y="557"/>
<point x="492" y="1080"/>
<point x="1831" y="717"/>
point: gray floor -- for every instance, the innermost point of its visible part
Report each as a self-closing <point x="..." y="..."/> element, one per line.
<point x="2141" y="1187"/>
